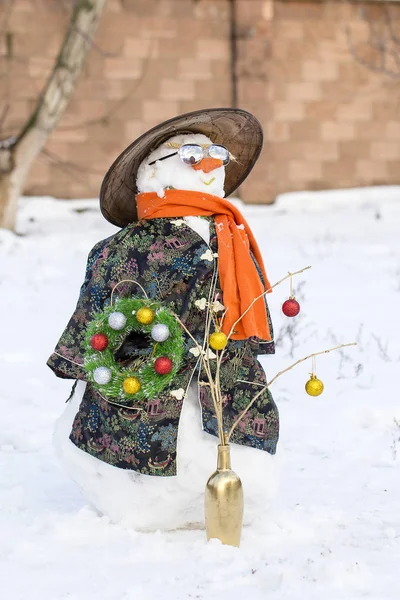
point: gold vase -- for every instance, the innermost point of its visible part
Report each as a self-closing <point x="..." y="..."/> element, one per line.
<point x="224" y="501"/>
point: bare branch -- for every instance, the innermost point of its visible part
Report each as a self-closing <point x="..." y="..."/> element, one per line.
<point x="383" y="43"/>
<point x="119" y="103"/>
<point x="278" y="375"/>
<point x="94" y="45"/>
<point x="263" y="294"/>
<point x="69" y="167"/>
<point x="215" y="390"/>
<point x="389" y="23"/>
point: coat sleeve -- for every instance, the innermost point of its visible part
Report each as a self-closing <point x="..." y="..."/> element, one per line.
<point x="66" y="360"/>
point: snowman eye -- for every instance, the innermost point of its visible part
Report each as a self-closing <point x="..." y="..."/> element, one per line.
<point x="219" y="152"/>
<point x="153" y="162"/>
<point x="190" y="154"/>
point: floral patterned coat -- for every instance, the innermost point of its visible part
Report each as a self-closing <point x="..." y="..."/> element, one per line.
<point x="174" y="265"/>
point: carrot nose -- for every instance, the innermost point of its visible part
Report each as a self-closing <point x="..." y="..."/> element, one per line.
<point x="208" y="164"/>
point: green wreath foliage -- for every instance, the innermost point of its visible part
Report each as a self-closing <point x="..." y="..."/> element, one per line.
<point x="151" y="382"/>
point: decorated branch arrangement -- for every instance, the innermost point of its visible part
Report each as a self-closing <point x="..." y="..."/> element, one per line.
<point x="224" y="495"/>
<point x="133" y="382"/>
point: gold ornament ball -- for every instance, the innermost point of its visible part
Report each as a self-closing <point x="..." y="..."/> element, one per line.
<point x="314" y="386"/>
<point x="131" y="385"/>
<point x="145" y="315"/>
<point x="218" y="340"/>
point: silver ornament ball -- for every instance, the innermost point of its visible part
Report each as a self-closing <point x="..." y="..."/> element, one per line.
<point x="102" y="375"/>
<point x="117" y="320"/>
<point x="160" y="332"/>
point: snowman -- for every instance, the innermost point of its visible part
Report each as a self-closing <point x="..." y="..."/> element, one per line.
<point x="183" y="244"/>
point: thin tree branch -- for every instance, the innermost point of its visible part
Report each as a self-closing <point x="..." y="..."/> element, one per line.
<point x="383" y="42"/>
<point x="213" y="387"/>
<point x="68" y="165"/>
<point x="119" y="103"/>
<point x="94" y="45"/>
<point x="214" y="382"/>
<point x="389" y="23"/>
<point x="278" y="375"/>
<point x="263" y="294"/>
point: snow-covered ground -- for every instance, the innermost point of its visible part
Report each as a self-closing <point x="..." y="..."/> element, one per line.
<point x="334" y="526"/>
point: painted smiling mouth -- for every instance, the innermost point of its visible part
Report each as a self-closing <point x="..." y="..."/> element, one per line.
<point x="209" y="182"/>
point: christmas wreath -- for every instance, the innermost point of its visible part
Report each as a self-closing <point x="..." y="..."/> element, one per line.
<point x="133" y="350"/>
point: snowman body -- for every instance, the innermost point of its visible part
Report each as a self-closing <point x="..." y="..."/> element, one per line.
<point x="145" y="502"/>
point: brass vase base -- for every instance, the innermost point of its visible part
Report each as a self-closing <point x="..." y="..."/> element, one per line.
<point x="224" y="502"/>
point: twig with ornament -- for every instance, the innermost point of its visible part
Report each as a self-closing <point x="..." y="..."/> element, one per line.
<point x="314" y="387"/>
<point x="218" y="341"/>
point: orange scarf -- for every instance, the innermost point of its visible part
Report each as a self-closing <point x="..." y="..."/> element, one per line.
<point x="240" y="281"/>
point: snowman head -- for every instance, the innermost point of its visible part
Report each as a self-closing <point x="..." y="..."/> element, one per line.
<point x="184" y="162"/>
<point x="131" y="172"/>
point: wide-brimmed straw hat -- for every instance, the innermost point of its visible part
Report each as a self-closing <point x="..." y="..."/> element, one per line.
<point x="234" y="128"/>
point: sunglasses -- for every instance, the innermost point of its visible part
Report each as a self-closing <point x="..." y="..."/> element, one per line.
<point x="192" y="154"/>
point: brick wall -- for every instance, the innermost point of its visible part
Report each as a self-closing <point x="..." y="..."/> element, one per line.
<point x="328" y="121"/>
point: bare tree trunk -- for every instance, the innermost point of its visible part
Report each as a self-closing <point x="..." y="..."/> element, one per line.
<point x="17" y="154"/>
<point x="9" y="194"/>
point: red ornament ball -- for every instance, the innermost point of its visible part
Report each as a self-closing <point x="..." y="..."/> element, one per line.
<point x="291" y="307"/>
<point x="99" y="342"/>
<point x="163" y="365"/>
